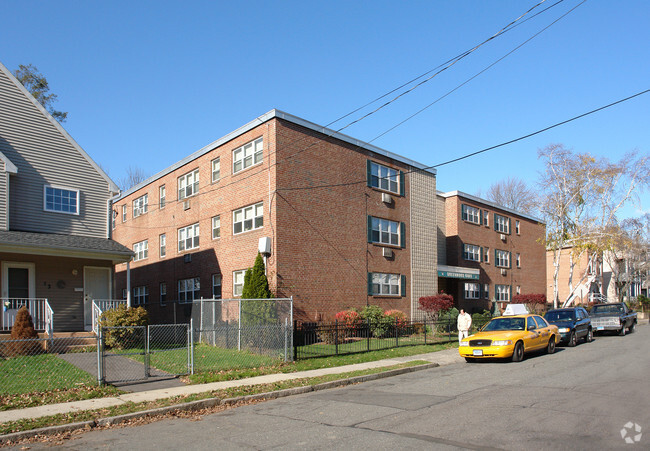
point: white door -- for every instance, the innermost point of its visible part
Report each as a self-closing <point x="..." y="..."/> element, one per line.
<point x="97" y="285"/>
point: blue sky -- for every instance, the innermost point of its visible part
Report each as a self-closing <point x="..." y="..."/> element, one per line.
<point x="148" y="82"/>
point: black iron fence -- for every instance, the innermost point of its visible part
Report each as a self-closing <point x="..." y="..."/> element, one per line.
<point x="337" y="338"/>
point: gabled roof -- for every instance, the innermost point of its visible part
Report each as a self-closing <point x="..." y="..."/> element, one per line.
<point x="9" y="166"/>
<point x="111" y="185"/>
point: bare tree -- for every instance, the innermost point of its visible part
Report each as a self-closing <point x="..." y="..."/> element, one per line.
<point x="134" y="175"/>
<point x="514" y="193"/>
<point x="37" y="85"/>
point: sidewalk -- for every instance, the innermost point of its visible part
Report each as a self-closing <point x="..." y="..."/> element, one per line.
<point x="445" y="357"/>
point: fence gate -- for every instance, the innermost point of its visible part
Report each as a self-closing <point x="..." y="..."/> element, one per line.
<point x="136" y="353"/>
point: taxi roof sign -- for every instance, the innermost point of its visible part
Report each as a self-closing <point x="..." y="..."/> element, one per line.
<point x="515" y="309"/>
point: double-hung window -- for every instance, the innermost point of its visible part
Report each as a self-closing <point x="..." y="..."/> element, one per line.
<point x="502" y="258"/>
<point x="383" y="177"/>
<point x="238" y="282"/>
<point x="140" y="295"/>
<point x="502" y="293"/>
<point x="216" y="169"/>
<point x="471" y="214"/>
<point x="248" y="218"/>
<point x="61" y="200"/>
<point x="384" y="231"/>
<point x="216" y="227"/>
<point x="124" y="213"/>
<point x="141" y="250"/>
<point x="140" y="205"/>
<point x="188" y="184"/>
<point x="486" y="254"/>
<point x="216" y="286"/>
<point x="486" y="218"/>
<point x="472" y="252"/>
<point x="162" y="192"/>
<point x="501" y="224"/>
<point x="385" y="284"/>
<point x="486" y="291"/>
<point x="472" y="290"/>
<point x="188" y="237"/>
<point x="517" y="226"/>
<point x="163" y="293"/>
<point x="518" y="260"/>
<point x="247" y="155"/>
<point x="189" y="289"/>
<point x="163" y="245"/>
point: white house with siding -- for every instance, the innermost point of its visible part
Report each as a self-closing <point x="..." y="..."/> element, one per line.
<point x="56" y="253"/>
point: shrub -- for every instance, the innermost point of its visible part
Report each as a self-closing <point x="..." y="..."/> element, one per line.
<point x="23" y="329"/>
<point x="435" y="305"/>
<point x="447" y="321"/>
<point x="349" y="318"/>
<point x="379" y="324"/>
<point x="534" y="302"/>
<point x="480" y="319"/>
<point x="644" y="301"/>
<point x="397" y="318"/>
<point x="124" y="319"/>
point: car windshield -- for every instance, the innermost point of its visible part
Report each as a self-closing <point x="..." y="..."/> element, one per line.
<point x="607" y="309"/>
<point x="505" y="324"/>
<point x="560" y="316"/>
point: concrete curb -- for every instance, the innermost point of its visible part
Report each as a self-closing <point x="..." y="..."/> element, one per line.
<point x="209" y="402"/>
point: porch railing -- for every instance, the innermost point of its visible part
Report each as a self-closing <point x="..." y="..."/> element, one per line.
<point x="100" y="306"/>
<point x="40" y="309"/>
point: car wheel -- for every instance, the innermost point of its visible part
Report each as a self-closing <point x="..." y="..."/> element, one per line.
<point x="590" y="336"/>
<point x="518" y="353"/>
<point x="622" y="331"/>
<point x="550" y="347"/>
<point x="632" y="327"/>
<point x="470" y="359"/>
<point x="572" y="339"/>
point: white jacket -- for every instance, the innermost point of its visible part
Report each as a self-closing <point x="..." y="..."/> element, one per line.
<point x="464" y="321"/>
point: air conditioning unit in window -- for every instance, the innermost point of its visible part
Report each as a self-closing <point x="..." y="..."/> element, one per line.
<point x="504" y="272"/>
<point x="503" y="237"/>
<point x="386" y="198"/>
<point x="186" y="204"/>
<point x="387" y="252"/>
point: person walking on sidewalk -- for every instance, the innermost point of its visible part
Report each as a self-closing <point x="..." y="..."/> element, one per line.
<point x="464" y="323"/>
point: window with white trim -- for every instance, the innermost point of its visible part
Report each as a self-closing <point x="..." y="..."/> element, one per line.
<point x="248" y="218"/>
<point x="471" y="214"/>
<point x="216" y="169"/>
<point x="238" y="282"/>
<point x="486" y="218"/>
<point x="140" y="295"/>
<point x="140" y="205"/>
<point x="113" y="216"/>
<point x="141" y="250"/>
<point x="385" y="231"/>
<point x="124" y="213"/>
<point x="189" y="290"/>
<point x="163" y="293"/>
<point x="472" y="252"/>
<point x="517" y="226"/>
<point x="163" y="245"/>
<point x="162" y="194"/>
<point x="486" y="255"/>
<point x="486" y="291"/>
<point x="188" y="237"/>
<point x="216" y="227"/>
<point x="502" y="259"/>
<point x="247" y="155"/>
<point x="124" y="293"/>
<point x="501" y="223"/>
<point x="472" y="290"/>
<point x="502" y="293"/>
<point x="518" y="260"/>
<point x="383" y="177"/>
<point x="188" y="184"/>
<point x="61" y="200"/>
<point x="518" y="289"/>
<point x="385" y="284"/>
<point x="216" y="286"/>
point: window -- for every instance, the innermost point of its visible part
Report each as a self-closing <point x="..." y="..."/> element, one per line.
<point x="486" y="218"/>
<point x="383" y="177"/>
<point x="141" y="250"/>
<point x="247" y="155"/>
<point x="518" y="259"/>
<point x="502" y="258"/>
<point x="472" y="253"/>
<point x="384" y="231"/>
<point x="188" y="237"/>
<point x="486" y="254"/>
<point x="163" y="293"/>
<point x="472" y="290"/>
<point x="502" y="293"/>
<point x="189" y="290"/>
<point x="385" y="284"/>
<point x="123" y="213"/>
<point x="501" y="224"/>
<point x="486" y="291"/>
<point x="113" y="216"/>
<point x="140" y="295"/>
<point x="518" y="290"/>
<point x="61" y="200"/>
<point x="216" y="286"/>
<point x="248" y="218"/>
<point x="140" y="205"/>
<point x="216" y="169"/>
<point x="517" y="227"/>
<point x="162" y="194"/>
<point x="188" y="184"/>
<point x="216" y="227"/>
<point x="471" y="214"/>
<point x="163" y="245"/>
<point x="124" y="292"/>
<point x="238" y="282"/>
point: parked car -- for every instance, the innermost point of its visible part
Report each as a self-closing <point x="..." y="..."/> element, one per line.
<point x="573" y="323"/>
<point x="612" y="317"/>
<point x="510" y="337"/>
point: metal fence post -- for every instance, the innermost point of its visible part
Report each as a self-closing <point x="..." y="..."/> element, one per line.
<point x="191" y="338"/>
<point x="425" y="331"/>
<point x="368" y="333"/>
<point x="100" y="358"/>
<point x="336" y="335"/>
<point x="239" y="324"/>
<point x="146" y="352"/>
<point x="286" y="340"/>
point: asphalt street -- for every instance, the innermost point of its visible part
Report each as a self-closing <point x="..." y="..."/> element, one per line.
<point x="577" y="398"/>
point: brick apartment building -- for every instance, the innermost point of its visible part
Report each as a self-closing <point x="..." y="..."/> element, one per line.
<point x="348" y="224"/>
<point x="490" y="253"/>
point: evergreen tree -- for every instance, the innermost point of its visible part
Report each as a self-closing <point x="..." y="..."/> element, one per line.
<point x="256" y="286"/>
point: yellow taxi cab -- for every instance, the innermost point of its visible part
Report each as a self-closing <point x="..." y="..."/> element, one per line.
<point x="510" y="336"/>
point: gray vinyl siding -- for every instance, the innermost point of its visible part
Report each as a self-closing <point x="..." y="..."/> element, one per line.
<point x="44" y="156"/>
<point x="4" y="183"/>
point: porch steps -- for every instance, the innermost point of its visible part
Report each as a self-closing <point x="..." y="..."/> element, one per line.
<point x="70" y="341"/>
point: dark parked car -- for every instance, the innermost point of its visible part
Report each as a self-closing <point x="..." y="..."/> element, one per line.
<point x="574" y="323"/>
<point x="615" y="317"/>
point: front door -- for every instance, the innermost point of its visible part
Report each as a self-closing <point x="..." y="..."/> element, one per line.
<point x="97" y="285"/>
<point x="17" y="284"/>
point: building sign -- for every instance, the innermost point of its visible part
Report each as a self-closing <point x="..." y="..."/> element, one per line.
<point x="457" y="275"/>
